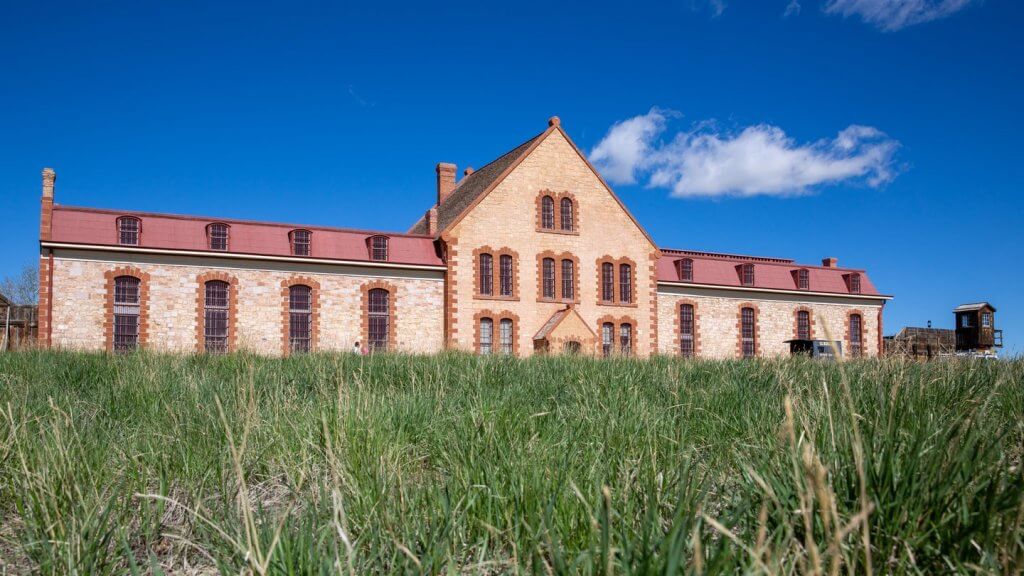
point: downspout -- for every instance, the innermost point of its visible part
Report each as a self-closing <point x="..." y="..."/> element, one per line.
<point x="7" y="330"/>
<point x="49" y="303"/>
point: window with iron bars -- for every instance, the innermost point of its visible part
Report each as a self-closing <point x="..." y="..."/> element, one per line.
<point x="379" y="319"/>
<point x="566" y="215"/>
<point x="625" y="339"/>
<point x="686" y="330"/>
<point x="505" y="274"/>
<point x="856" y="334"/>
<point x="608" y="282"/>
<point x="747" y="273"/>
<point x="548" y="271"/>
<point x="506" y="336"/>
<point x="301" y="242"/>
<point x="607" y="338"/>
<point x="379" y="248"/>
<point x="300" y="312"/>
<point x="218" y="236"/>
<point x="686" y="270"/>
<point x="803" y="325"/>
<point x="855" y="283"/>
<point x="625" y="283"/>
<point x="748" y="332"/>
<point x="547" y="213"/>
<point x="128" y="229"/>
<point x="803" y="279"/>
<point x="486" y="274"/>
<point x="126" y="313"/>
<point x="217" y="316"/>
<point x="486" y="335"/>
<point x="568" y="286"/>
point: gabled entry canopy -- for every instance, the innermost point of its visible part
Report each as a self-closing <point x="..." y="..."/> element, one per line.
<point x="565" y="332"/>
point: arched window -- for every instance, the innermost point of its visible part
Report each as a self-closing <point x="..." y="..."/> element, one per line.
<point x="379" y="248"/>
<point x="803" y="279"/>
<point x="217" y="236"/>
<point x="128" y="230"/>
<point x="486" y="335"/>
<point x="856" y="334"/>
<point x="548" y="266"/>
<point x="626" y="339"/>
<point x="486" y="274"/>
<point x="686" y="331"/>
<point x="126" y="313"/>
<point x="505" y="274"/>
<point x="803" y="325"/>
<point x="747" y="274"/>
<point x="379" y="319"/>
<point x="547" y="213"/>
<point x="568" y="286"/>
<point x="607" y="338"/>
<point x="217" y="313"/>
<point x="300" y="241"/>
<point x="505" y="336"/>
<point x="625" y="283"/>
<point x="566" y="215"/>
<point x="748" y="332"/>
<point x="300" y="318"/>
<point x="608" y="282"/>
<point x="685" y="269"/>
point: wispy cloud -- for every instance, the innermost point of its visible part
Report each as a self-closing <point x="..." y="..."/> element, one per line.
<point x="892" y="15"/>
<point x="757" y="160"/>
<point x="792" y="9"/>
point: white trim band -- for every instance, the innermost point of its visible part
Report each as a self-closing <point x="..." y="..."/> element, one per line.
<point x="773" y="291"/>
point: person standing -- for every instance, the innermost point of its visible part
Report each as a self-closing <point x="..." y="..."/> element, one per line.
<point x="357" y="350"/>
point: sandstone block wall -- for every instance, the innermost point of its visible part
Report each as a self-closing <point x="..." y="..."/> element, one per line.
<point x="80" y="291"/>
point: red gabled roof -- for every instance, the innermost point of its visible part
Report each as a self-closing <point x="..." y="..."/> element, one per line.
<point x="714" y="269"/>
<point x="93" y="226"/>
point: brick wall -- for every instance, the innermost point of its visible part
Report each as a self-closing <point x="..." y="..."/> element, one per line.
<point x="508" y="217"/>
<point x="719" y="313"/>
<point x="80" y="287"/>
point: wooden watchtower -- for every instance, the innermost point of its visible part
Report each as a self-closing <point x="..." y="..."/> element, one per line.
<point x="976" y="328"/>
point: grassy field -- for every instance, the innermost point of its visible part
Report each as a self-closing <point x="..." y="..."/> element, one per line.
<point x="332" y="464"/>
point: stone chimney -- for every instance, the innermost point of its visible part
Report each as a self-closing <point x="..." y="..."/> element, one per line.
<point x="431" y="218"/>
<point x="46" y="205"/>
<point x="830" y="262"/>
<point x="445" y="180"/>
<point x="467" y="171"/>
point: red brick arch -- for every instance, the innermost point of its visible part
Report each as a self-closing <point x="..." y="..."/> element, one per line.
<point x="796" y="321"/>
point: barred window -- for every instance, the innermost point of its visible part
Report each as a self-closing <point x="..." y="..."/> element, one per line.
<point x="300" y="242"/>
<point x="625" y="283"/>
<point x="379" y="320"/>
<point x="548" y="266"/>
<point x="856" y="333"/>
<point x="547" y="213"/>
<point x="300" y="312"/>
<point x="128" y="229"/>
<point x="217" y="236"/>
<point x="608" y="282"/>
<point x="855" y="283"/>
<point x="217" y="316"/>
<point x="686" y="330"/>
<point x="486" y="335"/>
<point x="486" y="274"/>
<point x="803" y="279"/>
<point x="607" y="338"/>
<point x="379" y="248"/>
<point x="748" y="332"/>
<point x="566" y="214"/>
<point x="568" y="288"/>
<point x="505" y="335"/>
<point x="747" y="274"/>
<point x="686" y="269"/>
<point x="505" y="274"/>
<point x="803" y="325"/>
<point x="126" y="313"/>
<point x="625" y="339"/>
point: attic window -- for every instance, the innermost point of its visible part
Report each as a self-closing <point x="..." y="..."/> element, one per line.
<point x="128" y="230"/>
<point x="803" y="279"/>
<point x="747" y="274"/>
<point x="684" y="268"/>
<point x="217" y="236"/>
<point x="853" y="282"/>
<point x="300" y="241"/>
<point x="379" y="248"/>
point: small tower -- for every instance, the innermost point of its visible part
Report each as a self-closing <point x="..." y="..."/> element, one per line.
<point x="976" y="329"/>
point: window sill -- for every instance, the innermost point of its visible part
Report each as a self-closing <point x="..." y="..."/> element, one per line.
<point x="557" y="231"/>
<point x="558" y="301"/>
<point x="491" y="297"/>
<point x="616" y="304"/>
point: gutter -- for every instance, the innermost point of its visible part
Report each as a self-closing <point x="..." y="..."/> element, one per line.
<point x="882" y="297"/>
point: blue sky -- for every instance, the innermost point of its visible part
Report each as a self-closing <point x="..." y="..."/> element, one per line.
<point x="888" y="138"/>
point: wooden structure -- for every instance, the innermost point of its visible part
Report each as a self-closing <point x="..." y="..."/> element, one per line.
<point x="976" y="328"/>
<point x="18" y="325"/>
<point x="921" y="343"/>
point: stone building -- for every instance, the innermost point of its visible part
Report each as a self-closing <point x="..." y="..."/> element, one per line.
<point x="531" y="253"/>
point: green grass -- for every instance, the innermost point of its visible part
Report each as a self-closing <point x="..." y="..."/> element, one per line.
<point x="456" y="464"/>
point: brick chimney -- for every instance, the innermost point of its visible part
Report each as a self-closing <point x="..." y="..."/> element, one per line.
<point x="830" y="262"/>
<point x="46" y="205"/>
<point x="445" y="180"/>
<point x="431" y="219"/>
<point x="467" y="171"/>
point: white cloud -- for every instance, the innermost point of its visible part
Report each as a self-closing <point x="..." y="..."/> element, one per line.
<point x="892" y="15"/>
<point x="792" y="8"/>
<point x="758" y="160"/>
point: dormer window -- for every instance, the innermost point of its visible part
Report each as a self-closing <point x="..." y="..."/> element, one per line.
<point x="747" y="274"/>
<point x="129" y="229"/>
<point x="684" y="268"/>
<point x="300" y="242"/>
<point x="803" y="279"/>
<point x="217" y="236"/>
<point x="378" y="248"/>
<point x="853" y="283"/>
